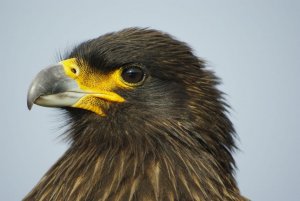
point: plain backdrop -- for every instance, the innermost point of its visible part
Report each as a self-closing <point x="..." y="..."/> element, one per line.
<point x="254" y="46"/>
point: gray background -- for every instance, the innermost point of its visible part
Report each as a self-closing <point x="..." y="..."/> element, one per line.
<point x="253" y="46"/>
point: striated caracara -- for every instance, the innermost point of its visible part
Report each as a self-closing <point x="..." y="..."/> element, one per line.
<point x="145" y="123"/>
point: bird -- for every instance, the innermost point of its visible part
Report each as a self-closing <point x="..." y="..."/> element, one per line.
<point x="145" y="122"/>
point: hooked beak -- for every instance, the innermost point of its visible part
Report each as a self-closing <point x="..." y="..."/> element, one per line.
<point x="52" y="88"/>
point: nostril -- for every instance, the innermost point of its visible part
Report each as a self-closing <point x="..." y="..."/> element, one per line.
<point x="73" y="70"/>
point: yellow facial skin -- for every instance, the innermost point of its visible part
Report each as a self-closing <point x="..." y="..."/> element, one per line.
<point x="99" y="88"/>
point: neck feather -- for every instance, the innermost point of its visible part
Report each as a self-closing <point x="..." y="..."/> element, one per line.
<point x="109" y="173"/>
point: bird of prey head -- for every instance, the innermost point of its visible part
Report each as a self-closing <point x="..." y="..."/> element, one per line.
<point x="146" y="122"/>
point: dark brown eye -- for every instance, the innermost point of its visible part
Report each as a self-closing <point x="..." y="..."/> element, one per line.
<point x="133" y="75"/>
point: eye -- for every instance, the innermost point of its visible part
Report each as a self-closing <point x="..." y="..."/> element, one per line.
<point x="133" y="75"/>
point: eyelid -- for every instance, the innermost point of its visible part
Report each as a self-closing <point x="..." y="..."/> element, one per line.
<point x="134" y="64"/>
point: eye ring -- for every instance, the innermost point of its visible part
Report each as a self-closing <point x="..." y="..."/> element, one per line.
<point x="133" y="75"/>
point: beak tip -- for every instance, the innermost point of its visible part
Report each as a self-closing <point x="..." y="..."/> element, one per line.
<point x="29" y="104"/>
<point x="31" y="97"/>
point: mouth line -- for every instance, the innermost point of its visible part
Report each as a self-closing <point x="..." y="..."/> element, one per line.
<point x="70" y="94"/>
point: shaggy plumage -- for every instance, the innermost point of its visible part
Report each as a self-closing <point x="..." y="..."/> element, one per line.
<point x="171" y="140"/>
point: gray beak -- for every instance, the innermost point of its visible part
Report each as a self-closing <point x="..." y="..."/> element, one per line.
<point x="52" y="88"/>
